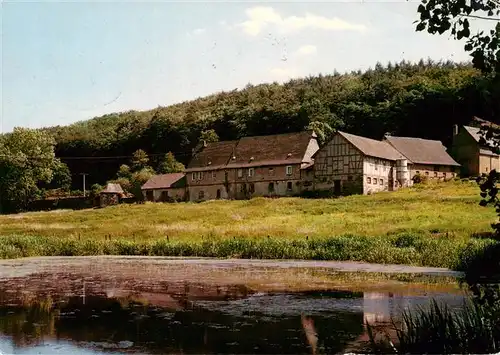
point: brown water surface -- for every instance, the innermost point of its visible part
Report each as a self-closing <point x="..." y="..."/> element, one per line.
<point x="156" y="306"/>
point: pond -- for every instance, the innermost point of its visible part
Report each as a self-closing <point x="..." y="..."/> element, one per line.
<point x="117" y="306"/>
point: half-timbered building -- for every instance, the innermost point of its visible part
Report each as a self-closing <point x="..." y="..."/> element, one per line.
<point x="351" y="164"/>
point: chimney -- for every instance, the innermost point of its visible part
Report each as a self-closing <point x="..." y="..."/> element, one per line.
<point x="455" y="130"/>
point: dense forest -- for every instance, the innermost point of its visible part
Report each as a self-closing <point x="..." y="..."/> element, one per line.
<point x="413" y="99"/>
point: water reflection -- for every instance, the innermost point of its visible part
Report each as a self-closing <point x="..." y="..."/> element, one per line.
<point x="93" y="316"/>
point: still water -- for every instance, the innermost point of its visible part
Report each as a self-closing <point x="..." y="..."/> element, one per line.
<point x="73" y="312"/>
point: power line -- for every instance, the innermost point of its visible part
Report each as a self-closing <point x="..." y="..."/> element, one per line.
<point x="97" y="157"/>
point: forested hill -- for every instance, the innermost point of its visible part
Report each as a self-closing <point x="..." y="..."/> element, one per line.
<point x="422" y="100"/>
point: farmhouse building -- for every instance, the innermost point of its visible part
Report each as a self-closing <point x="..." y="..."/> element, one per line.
<point x="165" y="187"/>
<point x="274" y="165"/>
<point x="425" y="157"/>
<point x="475" y="158"/>
<point x="351" y="164"/>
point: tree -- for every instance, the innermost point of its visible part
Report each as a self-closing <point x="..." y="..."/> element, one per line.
<point x="27" y="159"/>
<point x="139" y="160"/>
<point x="124" y="171"/>
<point x="322" y="130"/>
<point x="139" y="178"/>
<point x="170" y="165"/>
<point x="209" y="136"/>
<point x="452" y="16"/>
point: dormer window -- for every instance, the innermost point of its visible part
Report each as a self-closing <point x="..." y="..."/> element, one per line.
<point x="251" y="158"/>
<point x="289" y="155"/>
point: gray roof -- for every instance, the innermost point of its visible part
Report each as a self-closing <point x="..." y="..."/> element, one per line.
<point x="422" y="151"/>
<point x="112" y="189"/>
<point x="372" y="147"/>
<point x="476" y="134"/>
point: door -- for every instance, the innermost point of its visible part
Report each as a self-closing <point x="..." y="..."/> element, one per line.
<point x="337" y="187"/>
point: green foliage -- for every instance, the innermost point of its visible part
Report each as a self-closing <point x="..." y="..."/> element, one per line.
<point x="322" y="129"/>
<point x="209" y="136"/>
<point x="170" y="165"/>
<point x="124" y="171"/>
<point x="27" y="160"/>
<point x="439" y="330"/>
<point x="139" y="160"/>
<point x="401" y="98"/>
<point x="139" y="178"/>
<point x="444" y="253"/>
<point x="452" y="16"/>
<point x="95" y="189"/>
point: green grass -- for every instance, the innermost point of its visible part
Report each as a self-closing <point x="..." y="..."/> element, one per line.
<point x="438" y="330"/>
<point x="427" y="225"/>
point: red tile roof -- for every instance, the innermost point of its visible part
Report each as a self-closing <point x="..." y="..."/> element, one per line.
<point x="165" y="181"/>
<point x="279" y="149"/>
<point x="213" y="156"/>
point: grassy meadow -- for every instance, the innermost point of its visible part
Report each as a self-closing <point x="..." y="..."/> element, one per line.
<point x="429" y="225"/>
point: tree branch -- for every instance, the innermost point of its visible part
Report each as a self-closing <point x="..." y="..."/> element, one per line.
<point x="482" y="18"/>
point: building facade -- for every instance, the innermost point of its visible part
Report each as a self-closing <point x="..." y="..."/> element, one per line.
<point x="275" y="165"/>
<point x="165" y="188"/>
<point x="425" y="157"/>
<point x="474" y="157"/>
<point x="351" y="164"/>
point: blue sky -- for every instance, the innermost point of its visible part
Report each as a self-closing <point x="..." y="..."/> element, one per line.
<point x="68" y="61"/>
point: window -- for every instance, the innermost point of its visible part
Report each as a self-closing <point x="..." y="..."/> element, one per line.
<point x="368" y="180"/>
<point x="201" y="195"/>
<point x="218" y="193"/>
<point x="417" y="172"/>
<point x="164" y="196"/>
<point x="486" y="169"/>
<point x="381" y="181"/>
<point x="251" y="188"/>
<point x="193" y="176"/>
<point x="289" y="186"/>
<point x="349" y="178"/>
<point x="240" y="173"/>
<point x="374" y="181"/>
<point x="214" y="174"/>
<point x="376" y="167"/>
<point x="435" y="174"/>
<point x="427" y="173"/>
<point x="270" y="187"/>
<point x="289" y="170"/>
<point x="200" y="175"/>
<point x="271" y="171"/>
<point x="251" y="172"/>
<point x="243" y="188"/>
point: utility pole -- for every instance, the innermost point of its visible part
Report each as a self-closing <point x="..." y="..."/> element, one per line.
<point x="84" y="190"/>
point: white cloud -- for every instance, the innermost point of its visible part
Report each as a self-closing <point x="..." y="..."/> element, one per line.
<point x="198" y="31"/>
<point x="308" y="49"/>
<point x="261" y="17"/>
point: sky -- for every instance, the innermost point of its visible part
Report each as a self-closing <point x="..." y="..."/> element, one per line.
<point x="67" y="61"/>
